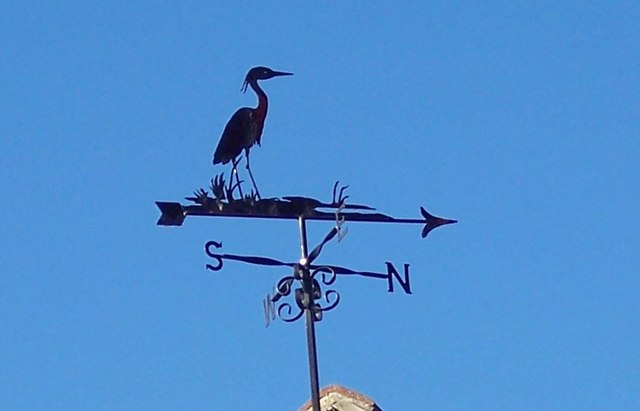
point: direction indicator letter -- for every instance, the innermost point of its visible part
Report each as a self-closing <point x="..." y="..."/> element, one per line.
<point x="392" y="272"/>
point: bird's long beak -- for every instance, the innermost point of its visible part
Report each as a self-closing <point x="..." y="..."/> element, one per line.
<point x="281" y="73"/>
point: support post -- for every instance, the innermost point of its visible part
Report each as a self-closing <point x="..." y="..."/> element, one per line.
<point x="309" y="303"/>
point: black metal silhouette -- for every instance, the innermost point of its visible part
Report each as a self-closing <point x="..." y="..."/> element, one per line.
<point x="244" y="129"/>
<point x="288" y="207"/>
<point x="325" y="274"/>
<point x="322" y="274"/>
<point x="310" y="299"/>
<point x="272" y="262"/>
<point x="242" y="132"/>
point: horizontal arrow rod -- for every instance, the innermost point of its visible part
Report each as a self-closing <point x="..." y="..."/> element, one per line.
<point x="173" y="214"/>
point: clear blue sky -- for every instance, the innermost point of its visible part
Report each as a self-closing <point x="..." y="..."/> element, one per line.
<point x="522" y="121"/>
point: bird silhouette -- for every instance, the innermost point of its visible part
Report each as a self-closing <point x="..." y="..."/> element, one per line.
<point x="244" y="129"/>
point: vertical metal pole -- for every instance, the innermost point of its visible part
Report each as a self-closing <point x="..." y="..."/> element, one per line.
<point x="307" y="287"/>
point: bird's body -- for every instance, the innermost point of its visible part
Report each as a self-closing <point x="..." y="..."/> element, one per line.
<point x="244" y="129"/>
<point x="241" y="132"/>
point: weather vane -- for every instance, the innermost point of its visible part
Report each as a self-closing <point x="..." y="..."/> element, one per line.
<point x="306" y="280"/>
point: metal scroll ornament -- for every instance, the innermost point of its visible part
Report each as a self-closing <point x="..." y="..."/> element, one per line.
<point x="291" y="312"/>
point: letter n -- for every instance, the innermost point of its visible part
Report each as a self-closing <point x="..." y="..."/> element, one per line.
<point x="392" y="272"/>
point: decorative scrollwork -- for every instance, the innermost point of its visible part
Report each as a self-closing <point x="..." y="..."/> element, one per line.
<point x="319" y="301"/>
<point x="282" y="289"/>
<point x="286" y="310"/>
<point x="329" y="296"/>
<point x="328" y="276"/>
<point x="285" y="313"/>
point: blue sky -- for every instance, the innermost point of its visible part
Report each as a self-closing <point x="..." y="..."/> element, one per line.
<point x="520" y="120"/>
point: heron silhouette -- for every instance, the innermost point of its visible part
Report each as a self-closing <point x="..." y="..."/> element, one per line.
<point x="244" y="129"/>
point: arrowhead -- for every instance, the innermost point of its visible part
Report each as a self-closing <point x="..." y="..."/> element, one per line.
<point x="172" y="213"/>
<point x="432" y="222"/>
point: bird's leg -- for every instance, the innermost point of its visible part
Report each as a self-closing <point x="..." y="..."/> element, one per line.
<point x="251" y="175"/>
<point x="234" y="172"/>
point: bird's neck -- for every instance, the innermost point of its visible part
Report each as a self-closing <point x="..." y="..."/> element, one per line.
<point x="263" y="102"/>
